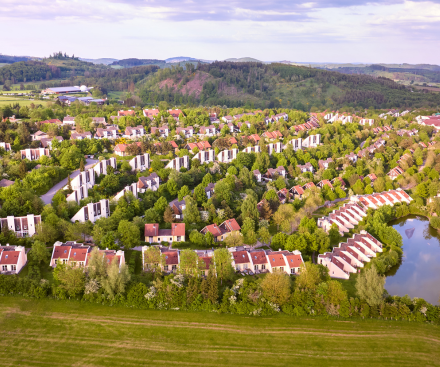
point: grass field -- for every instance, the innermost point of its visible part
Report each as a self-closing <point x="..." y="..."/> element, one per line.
<point x="69" y="333"/>
<point x="8" y="100"/>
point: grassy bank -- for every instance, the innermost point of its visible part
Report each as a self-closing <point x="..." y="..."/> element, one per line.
<point x="67" y="333"/>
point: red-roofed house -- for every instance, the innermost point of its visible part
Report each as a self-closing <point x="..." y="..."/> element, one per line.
<point x="241" y="260"/>
<point x="126" y="113"/>
<point x="12" y="259"/>
<point x="155" y="235"/>
<point x="223" y="230"/>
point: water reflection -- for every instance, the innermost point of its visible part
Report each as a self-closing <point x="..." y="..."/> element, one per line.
<point x="418" y="274"/>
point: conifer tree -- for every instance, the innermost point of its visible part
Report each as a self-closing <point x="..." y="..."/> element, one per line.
<point x="81" y="165"/>
<point x="212" y="286"/>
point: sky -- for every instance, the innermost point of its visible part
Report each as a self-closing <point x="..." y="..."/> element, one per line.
<point x="389" y="31"/>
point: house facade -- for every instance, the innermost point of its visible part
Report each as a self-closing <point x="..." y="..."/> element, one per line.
<point x="12" y="259"/>
<point x="140" y="162"/>
<point x="25" y="226"/>
<point x="93" y="212"/>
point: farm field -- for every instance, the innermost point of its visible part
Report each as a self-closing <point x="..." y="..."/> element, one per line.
<point x="8" y="100"/>
<point x="70" y="333"/>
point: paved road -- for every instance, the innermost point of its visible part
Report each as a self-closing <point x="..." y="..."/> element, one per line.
<point x="47" y="197"/>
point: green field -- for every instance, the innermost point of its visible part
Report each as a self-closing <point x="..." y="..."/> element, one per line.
<point x="8" y="100"/>
<point x="69" y="333"/>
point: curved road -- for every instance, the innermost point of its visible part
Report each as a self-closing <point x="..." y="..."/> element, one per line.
<point x="47" y="197"/>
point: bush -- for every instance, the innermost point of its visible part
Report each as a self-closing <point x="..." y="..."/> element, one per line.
<point x="435" y="222"/>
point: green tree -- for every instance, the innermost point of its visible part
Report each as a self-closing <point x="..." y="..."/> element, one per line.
<point x="197" y="238"/>
<point x="212" y="286"/>
<point x="152" y="216"/>
<point x="117" y="278"/>
<point x="70" y="278"/>
<point x="223" y="264"/>
<point x="200" y="194"/>
<point x="207" y="179"/>
<point x="160" y="206"/>
<point x="311" y="276"/>
<point x="190" y="264"/>
<point x="191" y="213"/>
<point x="154" y="260"/>
<point x="81" y="165"/>
<point x="249" y="208"/>
<point x="276" y="288"/>
<point x="168" y="215"/>
<point x="234" y="239"/>
<point x="39" y="253"/>
<point x="172" y="187"/>
<point x="263" y="235"/>
<point x="370" y="286"/>
<point x="184" y="191"/>
<point x="129" y="234"/>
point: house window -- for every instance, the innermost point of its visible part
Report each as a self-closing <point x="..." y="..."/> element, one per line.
<point x="64" y="261"/>
<point x="237" y="267"/>
<point x="5" y="267"/>
<point x="171" y="238"/>
<point x="165" y="268"/>
<point x="255" y="267"/>
<point x="263" y="267"/>
<point x="13" y="267"/>
<point x="281" y="268"/>
<point x="245" y="266"/>
<point x="292" y="271"/>
<point x="174" y="267"/>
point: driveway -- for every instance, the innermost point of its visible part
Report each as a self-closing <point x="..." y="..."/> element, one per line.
<point x="47" y="197"/>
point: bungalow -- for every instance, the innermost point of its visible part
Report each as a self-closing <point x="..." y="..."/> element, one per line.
<point x="178" y="163"/>
<point x="155" y="235"/>
<point x="297" y="192"/>
<point x="206" y="156"/>
<point x="85" y="178"/>
<point x="151" y="182"/>
<point x="134" y="132"/>
<point x="22" y="226"/>
<point x="93" y="212"/>
<point x="187" y="132"/>
<point x="6" y="146"/>
<point x="34" y="154"/>
<point x="79" y="136"/>
<point x="208" y="130"/>
<point x="12" y="259"/>
<point x="306" y="167"/>
<point x="47" y="142"/>
<point x="78" y="194"/>
<point x="227" y="156"/>
<point x="140" y="162"/>
<point x="223" y="230"/>
<point x="107" y="133"/>
<point x="324" y="164"/>
<point x="177" y="207"/>
<point x="150" y="113"/>
<point x="163" y="131"/>
<point x="101" y="167"/>
<point x="283" y="196"/>
<point x="201" y="145"/>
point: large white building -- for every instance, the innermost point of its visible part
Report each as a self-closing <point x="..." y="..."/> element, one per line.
<point x="85" y="178"/>
<point x="205" y="156"/>
<point x="133" y="188"/>
<point x="93" y="212"/>
<point x="312" y="141"/>
<point x="227" y="156"/>
<point x="78" y="194"/>
<point x="101" y="167"/>
<point x="34" y="154"/>
<point x="178" y="163"/>
<point x="140" y="162"/>
<point x="254" y="149"/>
<point x="274" y="148"/>
<point x="22" y="226"/>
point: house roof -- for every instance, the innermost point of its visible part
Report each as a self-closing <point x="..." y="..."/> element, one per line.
<point x="151" y="229"/>
<point x="178" y="229"/>
<point x="230" y="225"/>
<point x="171" y="258"/>
<point x="294" y="261"/>
<point x="120" y="147"/>
<point x="258" y="257"/>
<point x="214" y="229"/>
<point x="9" y="257"/>
<point x="61" y="252"/>
<point x="207" y="260"/>
<point x="241" y="257"/>
<point x="276" y="259"/>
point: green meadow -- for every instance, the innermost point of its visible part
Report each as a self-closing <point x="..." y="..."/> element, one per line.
<point x="70" y="333"/>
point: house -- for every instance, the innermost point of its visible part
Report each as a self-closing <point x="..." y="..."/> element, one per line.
<point x="151" y="182"/>
<point x="296" y="144"/>
<point x="187" y="132"/>
<point x="202" y="145"/>
<point x="47" y="142"/>
<point x="241" y="260"/>
<point x="101" y="167"/>
<point x="395" y="172"/>
<point x="274" y="148"/>
<point x="140" y="162"/>
<point x="259" y="261"/>
<point x="255" y="149"/>
<point x="69" y="120"/>
<point x="126" y="113"/>
<point x="308" y="185"/>
<point x="283" y="196"/>
<point x="98" y="120"/>
<point x="372" y="177"/>
<point x="232" y="128"/>
<point x="22" y="226"/>
<point x="39" y="135"/>
<point x="323" y="183"/>
<point x="6" y="147"/>
<point x="150" y="113"/>
<point x="223" y="230"/>
<point x="268" y="120"/>
<point x="85" y="178"/>
<point x="134" y="132"/>
<point x="78" y="194"/>
<point x="178" y="163"/>
<point x="272" y="174"/>
<point x="364" y="122"/>
<point x="34" y="154"/>
<point x="293" y="262"/>
<point x="107" y="133"/>
<point x="163" y="131"/>
<point x="6" y="183"/>
<point x="312" y="141"/>
<point x="155" y="235"/>
<point x="79" y="136"/>
<point x="175" y="113"/>
<point x="254" y="137"/>
<point x="350" y="256"/>
<point x="272" y="135"/>
<point x="205" y="156"/>
<point x="227" y="156"/>
<point x="306" y="167"/>
<point x="93" y="212"/>
<point x="208" y="130"/>
<point x="133" y="188"/>
<point x="324" y="164"/>
<point x="351" y="157"/>
<point x="257" y="175"/>
<point x="209" y="190"/>
<point x="228" y="119"/>
<point x="205" y="264"/>
<point x="341" y="181"/>
<point x="280" y="116"/>
<point x="177" y="207"/>
<point x="12" y="259"/>
<point x="241" y="125"/>
<point x="297" y="192"/>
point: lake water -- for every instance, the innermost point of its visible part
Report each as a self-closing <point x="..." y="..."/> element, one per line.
<point x="418" y="275"/>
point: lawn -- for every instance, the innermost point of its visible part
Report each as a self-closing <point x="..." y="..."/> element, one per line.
<point x="69" y="333"/>
<point x="8" y="100"/>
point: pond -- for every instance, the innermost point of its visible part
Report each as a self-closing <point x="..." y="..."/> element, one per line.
<point x="418" y="275"/>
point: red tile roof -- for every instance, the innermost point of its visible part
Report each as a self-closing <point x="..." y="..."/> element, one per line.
<point x="294" y="261"/>
<point x="276" y="259"/>
<point x="241" y="257"/>
<point x="258" y="257"/>
<point x="151" y="229"/>
<point x="9" y="257"/>
<point x="178" y="229"/>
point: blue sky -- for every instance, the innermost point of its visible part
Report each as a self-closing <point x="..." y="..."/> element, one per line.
<point x="390" y="31"/>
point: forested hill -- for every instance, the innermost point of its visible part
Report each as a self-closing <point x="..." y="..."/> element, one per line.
<point x="278" y="85"/>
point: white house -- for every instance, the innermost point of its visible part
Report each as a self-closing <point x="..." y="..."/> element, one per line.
<point x="205" y="156"/>
<point x="6" y="146"/>
<point x="208" y="130"/>
<point x="34" y="154"/>
<point x="86" y="178"/>
<point x="163" y="131"/>
<point x="149" y="183"/>
<point x="296" y="144"/>
<point x="140" y="162"/>
<point x="187" y="132"/>
<point x="133" y="188"/>
<point x="134" y="132"/>
<point x="254" y="149"/>
<point x="101" y="167"/>
<point x="12" y="259"/>
<point x="79" y="194"/>
<point x="274" y="148"/>
<point x="108" y="133"/>
<point x="227" y="156"/>
<point x="312" y="141"/>
<point x="178" y="163"/>
<point x="22" y="226"/>
<point x="93" y="212"/>
<point x="364" y="122"/>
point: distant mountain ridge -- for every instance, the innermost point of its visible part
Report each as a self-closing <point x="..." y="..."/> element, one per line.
<point x="103" y="61"/>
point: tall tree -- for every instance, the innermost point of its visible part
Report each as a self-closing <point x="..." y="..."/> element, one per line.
<point x="223" y="264"/>
<point x="276" y="287"/>
<point x="168" y="215"/>
<point x="370" y="286"/>
<point x="190" y="264"/>
<point x="129" y="234"/>
<point x="81" y="165"/>
<point x="191" y="213"/>
<point x="212" y="286"/>
<point x="117" y="278"/>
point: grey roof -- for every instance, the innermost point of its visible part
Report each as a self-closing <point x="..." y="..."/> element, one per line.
<point x="65" y="89"/>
